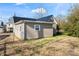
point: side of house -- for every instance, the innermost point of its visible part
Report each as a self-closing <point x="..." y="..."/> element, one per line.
<point x="18" y="31"/>
<point x="33" y="30"/>
<point x="29" y="28"/>
<point x="38" y="30"/>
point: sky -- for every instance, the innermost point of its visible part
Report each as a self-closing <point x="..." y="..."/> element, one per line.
<point x="31" y="10"/>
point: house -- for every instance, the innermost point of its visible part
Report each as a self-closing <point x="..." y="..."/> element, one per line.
<point x="12" y="21"/>
<point x="1" y="29"/>
<point x="9" y="27"/>
<point x="28" y="28"/>
<point x="10" y="24"/>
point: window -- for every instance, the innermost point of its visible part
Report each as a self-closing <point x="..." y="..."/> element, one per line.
<point x="37" y="27"/>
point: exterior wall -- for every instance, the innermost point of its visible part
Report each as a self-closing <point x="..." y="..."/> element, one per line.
<point x="1" y="30"/>
<point x="31" y="33"/>
<point x="18" y="31"/>
<point x="46" y="30"/>
<point x="27" y="31"/>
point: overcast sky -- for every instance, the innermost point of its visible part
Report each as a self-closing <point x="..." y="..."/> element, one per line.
<point x="28" y="10"/>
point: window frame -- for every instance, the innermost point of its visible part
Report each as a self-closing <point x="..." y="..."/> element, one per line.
<point x="37" y="25"/>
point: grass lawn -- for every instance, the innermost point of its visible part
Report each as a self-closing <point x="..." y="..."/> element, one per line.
<point x="44" y="41"/>
<point x="56" y="45"/>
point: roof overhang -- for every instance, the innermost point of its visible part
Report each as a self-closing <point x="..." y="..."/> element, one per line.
<point x="27" y="21"/>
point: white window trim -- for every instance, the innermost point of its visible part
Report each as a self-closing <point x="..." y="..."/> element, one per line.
<point x="38" y="26"/>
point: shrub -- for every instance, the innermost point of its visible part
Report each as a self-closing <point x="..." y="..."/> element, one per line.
<point x="72" y="25"/>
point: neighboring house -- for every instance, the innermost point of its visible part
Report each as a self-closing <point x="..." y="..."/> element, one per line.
<point x="9" y="27"/>
<point x="28" y="28"/>
<point x="10" y="24"/>
<point x="1" y="29"/>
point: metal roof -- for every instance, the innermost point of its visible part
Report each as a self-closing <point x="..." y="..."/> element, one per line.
<point x="46" y="19"/>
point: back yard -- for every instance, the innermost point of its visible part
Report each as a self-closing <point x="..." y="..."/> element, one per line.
<point x="52" y="46"/>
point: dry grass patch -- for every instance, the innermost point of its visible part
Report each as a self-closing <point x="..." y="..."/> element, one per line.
<point x="61" y="45"/>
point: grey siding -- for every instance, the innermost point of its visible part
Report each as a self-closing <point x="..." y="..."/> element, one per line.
<point x="46" y="30"/>
<point x="27" y="30"/>
<point x="19" y="30"/>
<point x="30" y="31"/>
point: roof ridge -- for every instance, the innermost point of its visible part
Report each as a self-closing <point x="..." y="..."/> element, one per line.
<point x="45" y="16"/>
